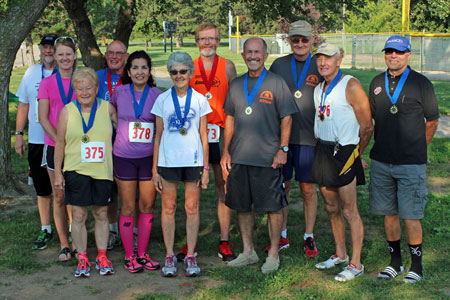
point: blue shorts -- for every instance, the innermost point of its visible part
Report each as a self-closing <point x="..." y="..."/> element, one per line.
<point x="300" y="158"/>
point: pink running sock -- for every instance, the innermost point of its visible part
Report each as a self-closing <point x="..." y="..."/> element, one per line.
<point x="126" y="233"/>
<point x="144" y="229"/>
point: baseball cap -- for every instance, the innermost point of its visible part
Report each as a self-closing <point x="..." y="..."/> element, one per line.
<point x="397" y="42"/>
<point x="328" y="49"/>
<point x="300" y="28"/>
<point x="49" y="39"/>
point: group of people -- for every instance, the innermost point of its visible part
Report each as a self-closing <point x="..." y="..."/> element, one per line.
<point x="111" y="134"/>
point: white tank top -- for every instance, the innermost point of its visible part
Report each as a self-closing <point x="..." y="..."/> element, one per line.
<point x="340" y="123"/>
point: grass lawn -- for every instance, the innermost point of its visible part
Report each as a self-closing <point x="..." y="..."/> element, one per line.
<point x="297" y="277"/>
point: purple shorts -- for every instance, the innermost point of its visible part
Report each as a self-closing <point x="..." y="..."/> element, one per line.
<point x="132" y="169"/>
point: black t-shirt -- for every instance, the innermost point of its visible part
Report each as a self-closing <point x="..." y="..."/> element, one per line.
<point x="400" y="138"/>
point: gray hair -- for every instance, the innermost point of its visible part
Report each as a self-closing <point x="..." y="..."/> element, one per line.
<point x="180" y="58"/>
<point x="258" y="38"/>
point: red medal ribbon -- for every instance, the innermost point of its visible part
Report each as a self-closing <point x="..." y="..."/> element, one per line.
<point x="110" y="89"/>
<point x="208" y="81"/>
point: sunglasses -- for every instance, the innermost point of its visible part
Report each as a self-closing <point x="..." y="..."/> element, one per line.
<point x="175" y="72"/>
<point x="390" y="51"/>
<point x="64" y="38"/>
<point x="296" y="40"/>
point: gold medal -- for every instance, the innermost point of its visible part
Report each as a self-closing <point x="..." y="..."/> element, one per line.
<point x="298" y="94"/>
<point x="394" y="109"/>
<point x="248" y="110"/>
<point x="137" y="124"/>
<point x="322" y="117"/>
<point x="183" y="131"/>
<point x="85" y="139"/>
<point x="208" y="95"/>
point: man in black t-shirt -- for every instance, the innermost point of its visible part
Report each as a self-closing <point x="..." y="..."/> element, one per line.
<point x="405" y="110"/>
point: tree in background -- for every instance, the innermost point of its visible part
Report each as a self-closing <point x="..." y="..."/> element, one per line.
<point x="430" y="15"/>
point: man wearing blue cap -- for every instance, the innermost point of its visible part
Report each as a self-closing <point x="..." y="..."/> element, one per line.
<point x="405" y="110"/>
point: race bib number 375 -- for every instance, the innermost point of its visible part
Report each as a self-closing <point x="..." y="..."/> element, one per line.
<point x="93" y="152"/>
<point x="142" y="134"/>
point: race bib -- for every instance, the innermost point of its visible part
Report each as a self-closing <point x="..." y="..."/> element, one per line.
<point x="93" y="152"/>
<point x="213" y="133"/>
<point x="140" y="132"/>
<point x="327" y="112"/>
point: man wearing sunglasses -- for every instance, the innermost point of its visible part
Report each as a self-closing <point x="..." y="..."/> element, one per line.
<point x="211" y="78"/>
<point x="405" y="110"/>
<point x="28" y="106"/>
<point x="299" y="70"/>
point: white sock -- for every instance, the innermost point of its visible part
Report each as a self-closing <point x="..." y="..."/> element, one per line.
<point x="284" y="233"/>
<point x="47" y="227"/>
<point x="307" y="235"/>
<point x="114" y="227"/>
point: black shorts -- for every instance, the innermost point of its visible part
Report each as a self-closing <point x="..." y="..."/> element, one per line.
<point x="332" y="169"/>
<point x="82" y="190"/>
<point x="48" y="156"/>
<point x="41" y="181"/>
<point x="181" y="173"/>
<point x="261" y="186"/>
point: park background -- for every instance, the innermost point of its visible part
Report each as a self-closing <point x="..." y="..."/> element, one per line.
<point x="26" y="274"/>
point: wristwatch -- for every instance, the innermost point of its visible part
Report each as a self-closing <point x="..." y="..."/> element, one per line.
<point x="285" y="149"/>
<point x="18" y="133"/>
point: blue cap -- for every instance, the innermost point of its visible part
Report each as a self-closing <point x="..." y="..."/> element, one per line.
<point x="397" y="42"/>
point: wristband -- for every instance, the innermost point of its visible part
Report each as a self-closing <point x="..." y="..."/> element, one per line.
<point x="18" y="133"/>
<point x="207" y="168"/>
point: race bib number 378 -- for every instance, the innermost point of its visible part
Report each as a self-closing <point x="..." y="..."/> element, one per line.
<point x="143" y="134"/>
<point x="93" y="152"/>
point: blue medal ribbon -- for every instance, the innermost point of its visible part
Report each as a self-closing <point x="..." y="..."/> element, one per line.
<point x="55" y="70"/>
<point x="139" y="107"/>
<point x="187" y="106"/>
<point x="249" y="97"/>
<point x="333" y="83"/>
<point x="299" y="82"/>
<point x="91" y="116"/>
<point x="399" y="87"/>
<point x="64" y="99"/>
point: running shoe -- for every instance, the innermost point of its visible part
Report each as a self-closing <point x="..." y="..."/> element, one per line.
<point x="225" y="251"/>
<point x="190" y="266"/>
<point x="350" y="272"/>
<point x="104" y="265"/>
<point x="170" y="266"/>
<point x="183" y="251"/>
<point x="147" y="262"/>
<point x="114" y="240"/>
<point x="284" y="243"/>
<point x="43" y="238"/>
<point x="132" y="265"/>
<point x="310" y="248"/>
<point x="83" y="268"/>
<point x="333" y="261"/>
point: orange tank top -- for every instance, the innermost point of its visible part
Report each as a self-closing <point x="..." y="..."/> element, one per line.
<point x="218" y="90"/>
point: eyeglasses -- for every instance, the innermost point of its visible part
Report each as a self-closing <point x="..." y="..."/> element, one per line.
<point x="116" y="53"/>
<point x="175" y="72"/>
<point x="296" y="40"/>
<point x="64" y="38"/>
<point x="209" y="39"/>
<point x="390" y="51"/>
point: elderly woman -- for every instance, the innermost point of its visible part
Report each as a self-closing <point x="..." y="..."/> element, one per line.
<point x="133" y="157"/>
<point x="56" y="91"/>
<point x="180" y="155"/>
<point x="83" y="142"/>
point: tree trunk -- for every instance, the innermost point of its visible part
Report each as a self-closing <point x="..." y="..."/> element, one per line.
<point x="90" y="52"/>
<point x="126" y="22"/>
<point x="29" y="50"/>
<point x="15" y="24"/>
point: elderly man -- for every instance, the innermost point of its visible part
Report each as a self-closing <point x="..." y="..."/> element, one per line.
<point x="259" y="108"/>
<point x="302" y="78"/>
<point x="405" y="110"/>
<point x="211" y="78"/>
<point x="110" y="78"/>
<point x="343" y="125"/>
<point x="28" y="106"/>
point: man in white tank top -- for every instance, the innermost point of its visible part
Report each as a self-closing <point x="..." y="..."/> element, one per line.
<point x="343" y="125"/>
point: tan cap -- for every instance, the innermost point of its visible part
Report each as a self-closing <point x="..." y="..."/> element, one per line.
<point x="328" y="49"/>
<point x="300" y="28"/>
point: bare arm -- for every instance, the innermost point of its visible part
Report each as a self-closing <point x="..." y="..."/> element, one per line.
<point x="225" y="161"/>
<point x="280" y="157"/>
<point x="21" y="120"/>
<point x="60" y="144"/>
<point x="44" y="105"/>
<point x="430" y="129"/>
<point x="230" y="70"/>
<point x="113" y="115"/>
<point x="204" y="138"/>
<point x="157" y="180"/>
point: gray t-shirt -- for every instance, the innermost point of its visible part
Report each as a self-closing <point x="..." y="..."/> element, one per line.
<point x="257" y="136"/>
<point x="302" y="122"/>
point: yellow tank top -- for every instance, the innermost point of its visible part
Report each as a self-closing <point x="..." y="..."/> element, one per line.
<point x="99" y="134"/>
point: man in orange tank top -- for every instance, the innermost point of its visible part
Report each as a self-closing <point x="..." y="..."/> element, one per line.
<point x="211" y="78"/>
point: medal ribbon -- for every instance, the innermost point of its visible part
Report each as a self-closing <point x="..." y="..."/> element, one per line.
<point x="208" y="81"/>
<point x="187" y="105"/>
<point x="109" y="80"/>
<point x="64" y="99"/>
<point x="139" y="107"/>
<point x="91" y="116"/>
<point x="333" y="83"/>
<point x="249" y="98"/>
<point x="55" y="70"/>
<point x="299" y="82"/>
<point x="399" y="87"/>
